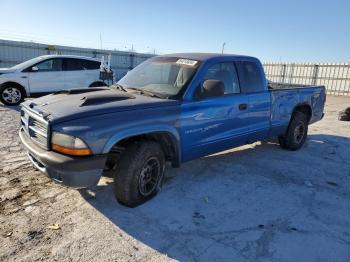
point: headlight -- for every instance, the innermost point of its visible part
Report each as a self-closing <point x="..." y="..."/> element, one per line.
<point x="69" y="145"/>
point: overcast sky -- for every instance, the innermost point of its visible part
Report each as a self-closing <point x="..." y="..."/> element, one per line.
<point x="292" y="31"/>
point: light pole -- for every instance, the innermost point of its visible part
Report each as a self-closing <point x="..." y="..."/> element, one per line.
<point x="223" y="47"/>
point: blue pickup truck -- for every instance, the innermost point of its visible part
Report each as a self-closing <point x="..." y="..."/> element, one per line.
<point x="171" y="108"/>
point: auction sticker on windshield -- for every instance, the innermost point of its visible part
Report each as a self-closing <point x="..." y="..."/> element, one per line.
<point x="186" y="62"/>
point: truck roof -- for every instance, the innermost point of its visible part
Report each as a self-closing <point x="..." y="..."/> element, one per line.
<point x="206" y="56"/>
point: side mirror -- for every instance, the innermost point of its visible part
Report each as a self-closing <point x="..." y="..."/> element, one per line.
<point x="35" y="69"/>
<point x="213" y="88"/>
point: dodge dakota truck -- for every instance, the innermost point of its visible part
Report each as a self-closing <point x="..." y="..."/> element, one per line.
<point x="171" y="108"/>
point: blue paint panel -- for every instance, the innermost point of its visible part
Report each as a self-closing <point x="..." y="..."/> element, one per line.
<point x="259" y="115"/>
<point x="213" y="123"/>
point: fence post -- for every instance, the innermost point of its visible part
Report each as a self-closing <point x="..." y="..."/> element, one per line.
<point x="291" y="73"/>
<point x="283" y="72"/>
<point x="315" y="75"/>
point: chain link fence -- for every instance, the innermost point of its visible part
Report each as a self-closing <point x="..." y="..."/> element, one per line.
<point x="335" y="77"/>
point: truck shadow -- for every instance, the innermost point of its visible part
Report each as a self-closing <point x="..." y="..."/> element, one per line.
<point x="219" y="207"/>
<point x="14" y="108"/>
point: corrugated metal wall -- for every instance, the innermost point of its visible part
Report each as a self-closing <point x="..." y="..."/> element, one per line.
<point x="14" y="52"/>
<point x="336" y="77"/>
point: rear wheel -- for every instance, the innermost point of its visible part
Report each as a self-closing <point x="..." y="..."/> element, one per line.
<point x="11" y="95"/>
<point x="297" y="132"/>
<point x="139" y="173"/>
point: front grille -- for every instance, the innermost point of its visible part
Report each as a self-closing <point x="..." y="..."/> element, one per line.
<point x="35" y="127"/>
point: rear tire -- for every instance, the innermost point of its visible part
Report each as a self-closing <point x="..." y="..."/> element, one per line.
<point x="297" y="132"/>
<point x="11" y="95"/>
<point x="139" y="173"/>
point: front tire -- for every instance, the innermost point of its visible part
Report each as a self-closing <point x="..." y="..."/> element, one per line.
<point x="139" y="173"/>
<point x="11" y="95"/>
<point x="297" y="132"/>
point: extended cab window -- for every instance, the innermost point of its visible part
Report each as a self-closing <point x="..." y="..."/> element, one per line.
<point x="49" y="65"/>
<point x="249" y="77"/>
<point x="224" y="72"/>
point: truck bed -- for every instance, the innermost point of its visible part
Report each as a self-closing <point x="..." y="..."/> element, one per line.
<point x="285" y="97"/>
<point x="275" y="85"/>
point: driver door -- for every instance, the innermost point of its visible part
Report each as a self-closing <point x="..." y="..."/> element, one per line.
<point x="214" y="124"/>
<point x="46" y="76"/>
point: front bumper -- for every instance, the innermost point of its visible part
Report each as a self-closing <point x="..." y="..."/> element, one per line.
<point x="67" y="170"/>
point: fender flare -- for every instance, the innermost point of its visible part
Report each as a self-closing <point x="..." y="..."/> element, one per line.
<point x="301" y="105"/>
<point x="137" y="131"/>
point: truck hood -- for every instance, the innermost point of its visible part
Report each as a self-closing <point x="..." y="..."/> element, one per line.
<point x="6" y="70"/>
<point x="73" y="104"/>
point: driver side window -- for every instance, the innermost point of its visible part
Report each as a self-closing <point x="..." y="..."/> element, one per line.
<point x="50" y="65"/>
<point x="224" y="72"/>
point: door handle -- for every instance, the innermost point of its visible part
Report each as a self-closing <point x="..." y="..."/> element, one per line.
<point x="243" y="107"/>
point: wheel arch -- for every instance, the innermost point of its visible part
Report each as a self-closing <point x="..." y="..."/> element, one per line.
<point x="13" y="83"/>
<point x="168" y="139"/>
<point x="302" y="108"/>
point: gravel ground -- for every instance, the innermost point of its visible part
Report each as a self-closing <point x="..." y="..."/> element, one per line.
<point x="255" y="202"/>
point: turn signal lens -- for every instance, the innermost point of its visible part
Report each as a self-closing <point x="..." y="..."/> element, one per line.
<point x="72" y="151"/>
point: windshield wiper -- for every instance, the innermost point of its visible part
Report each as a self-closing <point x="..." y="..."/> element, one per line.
<point x="119" y="87"/>
<point x="145" y="92"/>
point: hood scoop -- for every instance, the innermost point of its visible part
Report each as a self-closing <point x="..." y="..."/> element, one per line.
<point x="96" y="99"/>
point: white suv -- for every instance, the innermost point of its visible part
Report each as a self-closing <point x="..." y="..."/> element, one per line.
<point x="47" y="74"/>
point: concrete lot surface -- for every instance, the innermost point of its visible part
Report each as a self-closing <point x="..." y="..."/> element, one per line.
<point x="253" y="203"/>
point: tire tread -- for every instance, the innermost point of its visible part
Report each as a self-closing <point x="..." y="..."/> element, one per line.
<point x="126" y="174"/>
<point x="287" y="141"/>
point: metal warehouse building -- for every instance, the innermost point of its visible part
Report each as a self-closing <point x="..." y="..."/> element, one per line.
<point x="336" y="77"/>
<point x="14" y="52"/>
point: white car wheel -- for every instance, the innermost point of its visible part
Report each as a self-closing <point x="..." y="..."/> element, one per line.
<point x="11" y="95"/>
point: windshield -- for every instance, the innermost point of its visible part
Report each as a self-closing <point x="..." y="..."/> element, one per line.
<point x="161" y="75"/>
<point x="28" y="63"/>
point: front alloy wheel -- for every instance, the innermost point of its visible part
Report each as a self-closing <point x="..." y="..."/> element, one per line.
<point x="11" y="96"/>
<point x="149" y="177"/>
<point x="139" y="172"/>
